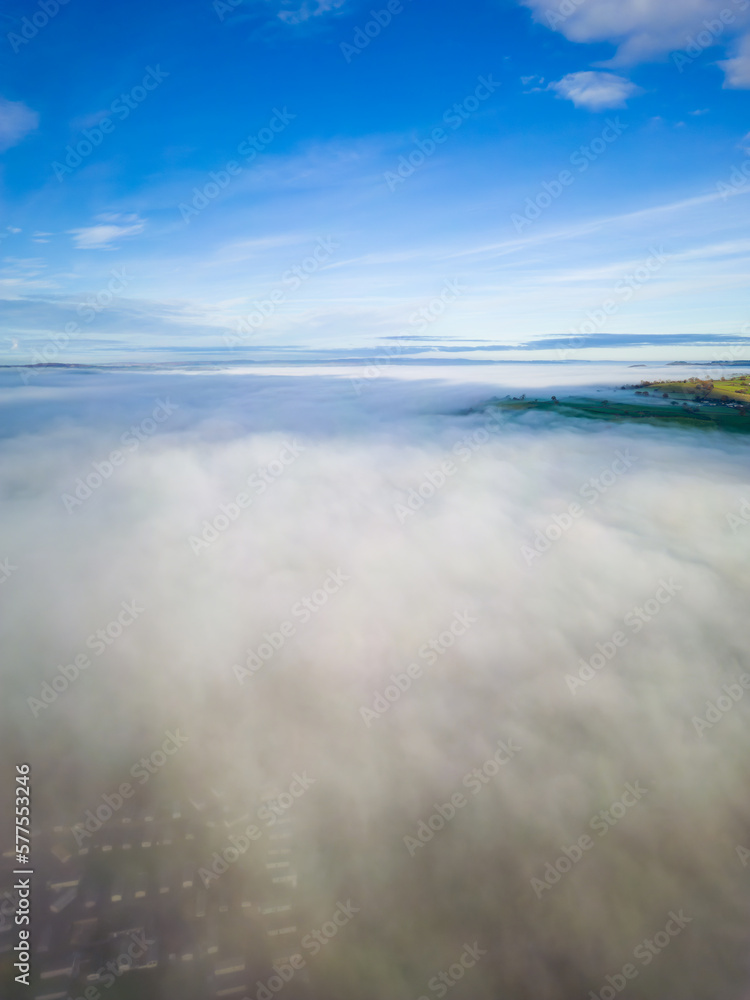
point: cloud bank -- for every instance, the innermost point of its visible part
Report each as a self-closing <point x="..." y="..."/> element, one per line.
<point x="518" y="620"/>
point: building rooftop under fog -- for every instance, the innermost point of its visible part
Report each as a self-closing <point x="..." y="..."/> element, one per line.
<point x="127" y="906"/>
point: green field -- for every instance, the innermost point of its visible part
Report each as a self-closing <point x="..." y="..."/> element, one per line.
<point x="720" y="390"/>
<point x="721" y="403"/>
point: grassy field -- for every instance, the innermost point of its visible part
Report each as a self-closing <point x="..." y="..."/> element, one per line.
<point x="693" y="403"/>
<point x="720" y="390"/>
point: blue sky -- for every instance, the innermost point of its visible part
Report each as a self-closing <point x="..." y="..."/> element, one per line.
<point x="242" y="180"/>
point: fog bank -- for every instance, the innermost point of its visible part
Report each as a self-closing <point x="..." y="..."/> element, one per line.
<point x="510" y="624"/>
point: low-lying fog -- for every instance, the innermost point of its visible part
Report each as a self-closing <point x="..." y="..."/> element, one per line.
<point x="490" y="642"/>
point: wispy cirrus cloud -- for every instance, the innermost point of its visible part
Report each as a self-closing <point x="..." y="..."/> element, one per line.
<point x="295" y="13"/>
<point x="594" y="90"/>
<point x="290" y="12"/>
<point x="108" y="231"/>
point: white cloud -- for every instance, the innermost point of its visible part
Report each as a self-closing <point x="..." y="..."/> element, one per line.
<point x="107" y="232"/>
<point x="26" y="263"/>
<point x="89" y="121"/>
<point x="505" y="678"/>
<point x="595" y="91"/>
<point x="117" y="217"/>
<point x="16" y="121"/>
<point x="650" y="29"/>
<point x="737" y="69"/>
<point x="308" y="9"/>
